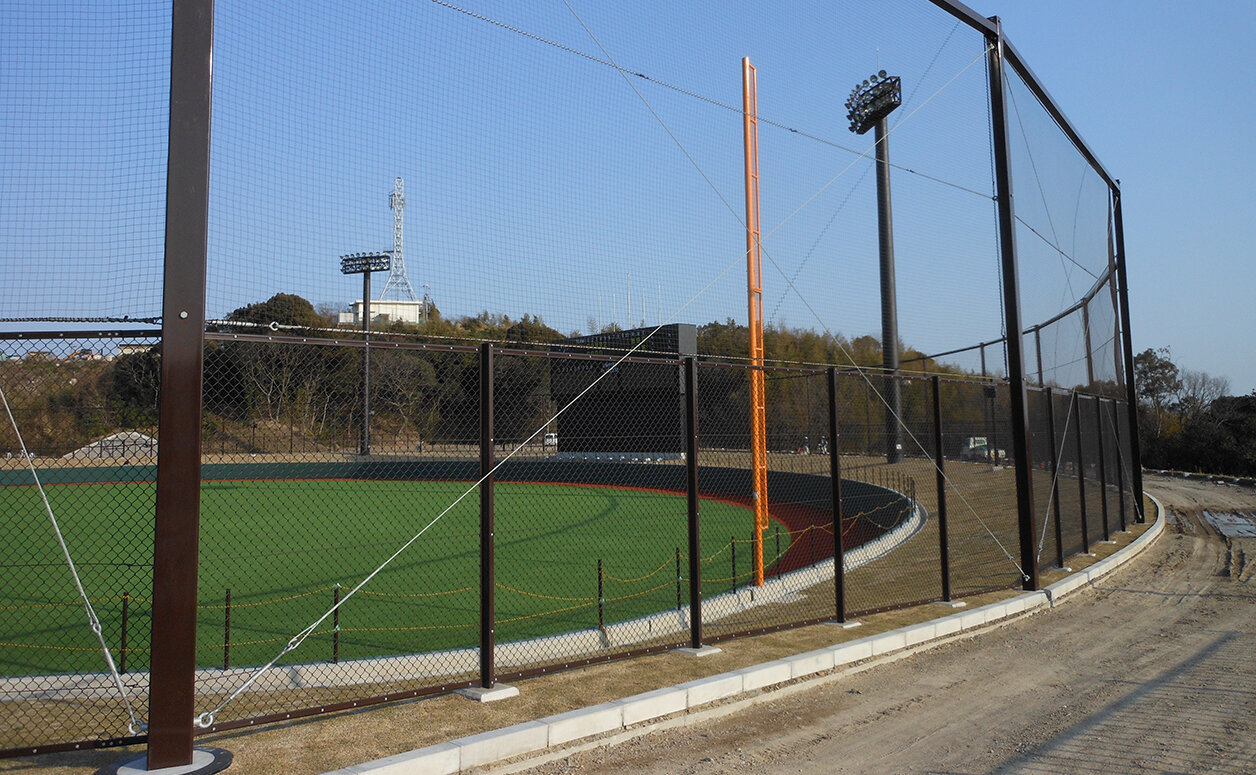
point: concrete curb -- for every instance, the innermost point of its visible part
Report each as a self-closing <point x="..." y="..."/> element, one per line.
<point x="536" y="736"/>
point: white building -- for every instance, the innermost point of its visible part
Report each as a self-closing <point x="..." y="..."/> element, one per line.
<point x="385" y="311"/>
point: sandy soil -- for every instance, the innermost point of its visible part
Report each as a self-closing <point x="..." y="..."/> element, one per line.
<point x="1171" y="688"/>
<point x="1151" y="671"/>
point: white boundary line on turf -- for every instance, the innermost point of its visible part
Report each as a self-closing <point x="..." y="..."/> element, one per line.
<point x="687" y="703"/>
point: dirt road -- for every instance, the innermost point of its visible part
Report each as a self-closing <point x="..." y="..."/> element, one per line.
<point x="1152" y="671"/>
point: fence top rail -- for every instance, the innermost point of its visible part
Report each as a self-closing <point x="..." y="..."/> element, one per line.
<point x="93" y="334"/>
<point x="385" y="344"/>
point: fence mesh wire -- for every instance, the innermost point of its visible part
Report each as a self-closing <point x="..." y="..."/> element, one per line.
<point x="555" y="182"/>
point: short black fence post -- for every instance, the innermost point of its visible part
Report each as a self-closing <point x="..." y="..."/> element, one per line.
<point x="679" y="601"/>
<point x="944" y="553"/>
<point x="226" y="632"/>
<point x="126" y="615"/>
<point x="776" y="533"/>
<point x="601" y="597"/>
<point x="487" y="579"/>
<point x="835" y="483"/>
<point x="1081" y="474"/>
<point x="1055" y="479"/>
<point x="1103" y="473"/>
<point x="691" y="488"/>
<point x="335" y="623"/>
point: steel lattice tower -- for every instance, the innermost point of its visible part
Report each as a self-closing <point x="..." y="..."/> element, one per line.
<point x="397" y="280"/>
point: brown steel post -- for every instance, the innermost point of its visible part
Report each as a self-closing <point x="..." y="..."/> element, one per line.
<point x="1055" y="479"/>
<point x="691" y="490"/>
<point x="1103" y="474"/>
<point x="835" y="481"/>
<point x="176" y="533"/>
<point x="1012" y="312"/>
<point x="487" y="578"/>
<point x="943" y="548"/>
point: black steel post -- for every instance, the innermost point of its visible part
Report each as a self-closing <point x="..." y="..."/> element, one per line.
<point x="1081" y="474"/>
<point x="487" y="578"/>
<point x="1120" y="465"/>
<point x="335" y="623"/>
<point x="226" y="633"/>
<point x="365" y="445"/>
<point x="1103" y="474"/>
<point x="1012" y="312"/>
<point x="1055" y="479"/>
<point x="1038" y="351"/>
<point x="691" y="490"/>
<point x="679" y="579"/>
<point x="124" y="646"/>
<point x="1127" y="346"/>
<point x="1090" y="355"/>
<point x="176" y="534"/>
<point x="944" y="554"/>
<point x="889" y="301"/>
<point x="601" y="597"/>
<point x="835" y="480"/>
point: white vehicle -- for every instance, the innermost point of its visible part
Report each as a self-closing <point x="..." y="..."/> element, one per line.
<point x="978" y="448"/>
<point x="550" y="440"/>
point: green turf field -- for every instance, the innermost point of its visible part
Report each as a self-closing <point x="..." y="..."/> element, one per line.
<point x="283" y="546"/>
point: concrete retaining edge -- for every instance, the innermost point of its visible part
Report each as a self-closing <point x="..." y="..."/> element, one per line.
<point x="535" y="736"/>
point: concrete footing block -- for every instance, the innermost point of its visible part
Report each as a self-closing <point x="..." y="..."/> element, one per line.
<point x="491" y="694"/>
<point x="701" y="651"/>
<point x="845" y="625"/>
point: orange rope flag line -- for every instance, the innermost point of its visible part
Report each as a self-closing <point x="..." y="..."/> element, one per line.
<point x="754" y="286"/>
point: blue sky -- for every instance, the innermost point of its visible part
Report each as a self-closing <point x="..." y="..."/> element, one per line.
<point x="539" y="181"/>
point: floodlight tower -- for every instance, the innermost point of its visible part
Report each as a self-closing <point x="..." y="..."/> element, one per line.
<point x="870" y="104"/>
<point x="397" y="280"/>
<point x="364" y="264"/>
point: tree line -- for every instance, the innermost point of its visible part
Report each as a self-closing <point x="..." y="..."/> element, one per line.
<point x="277" y="395"/>
<point x="1188" y="421"/>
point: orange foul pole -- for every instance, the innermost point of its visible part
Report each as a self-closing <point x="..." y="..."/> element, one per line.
<point x="754" y="287"/>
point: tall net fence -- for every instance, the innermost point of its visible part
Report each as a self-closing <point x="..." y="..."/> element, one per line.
<point x="483" y="460"/>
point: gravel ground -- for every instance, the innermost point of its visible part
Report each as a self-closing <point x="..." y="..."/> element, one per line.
<point x="1150" y="671"/>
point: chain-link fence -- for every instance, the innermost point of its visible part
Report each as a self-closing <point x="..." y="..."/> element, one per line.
<point x="590" y="550"/>
<point x="495" y="466"/>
